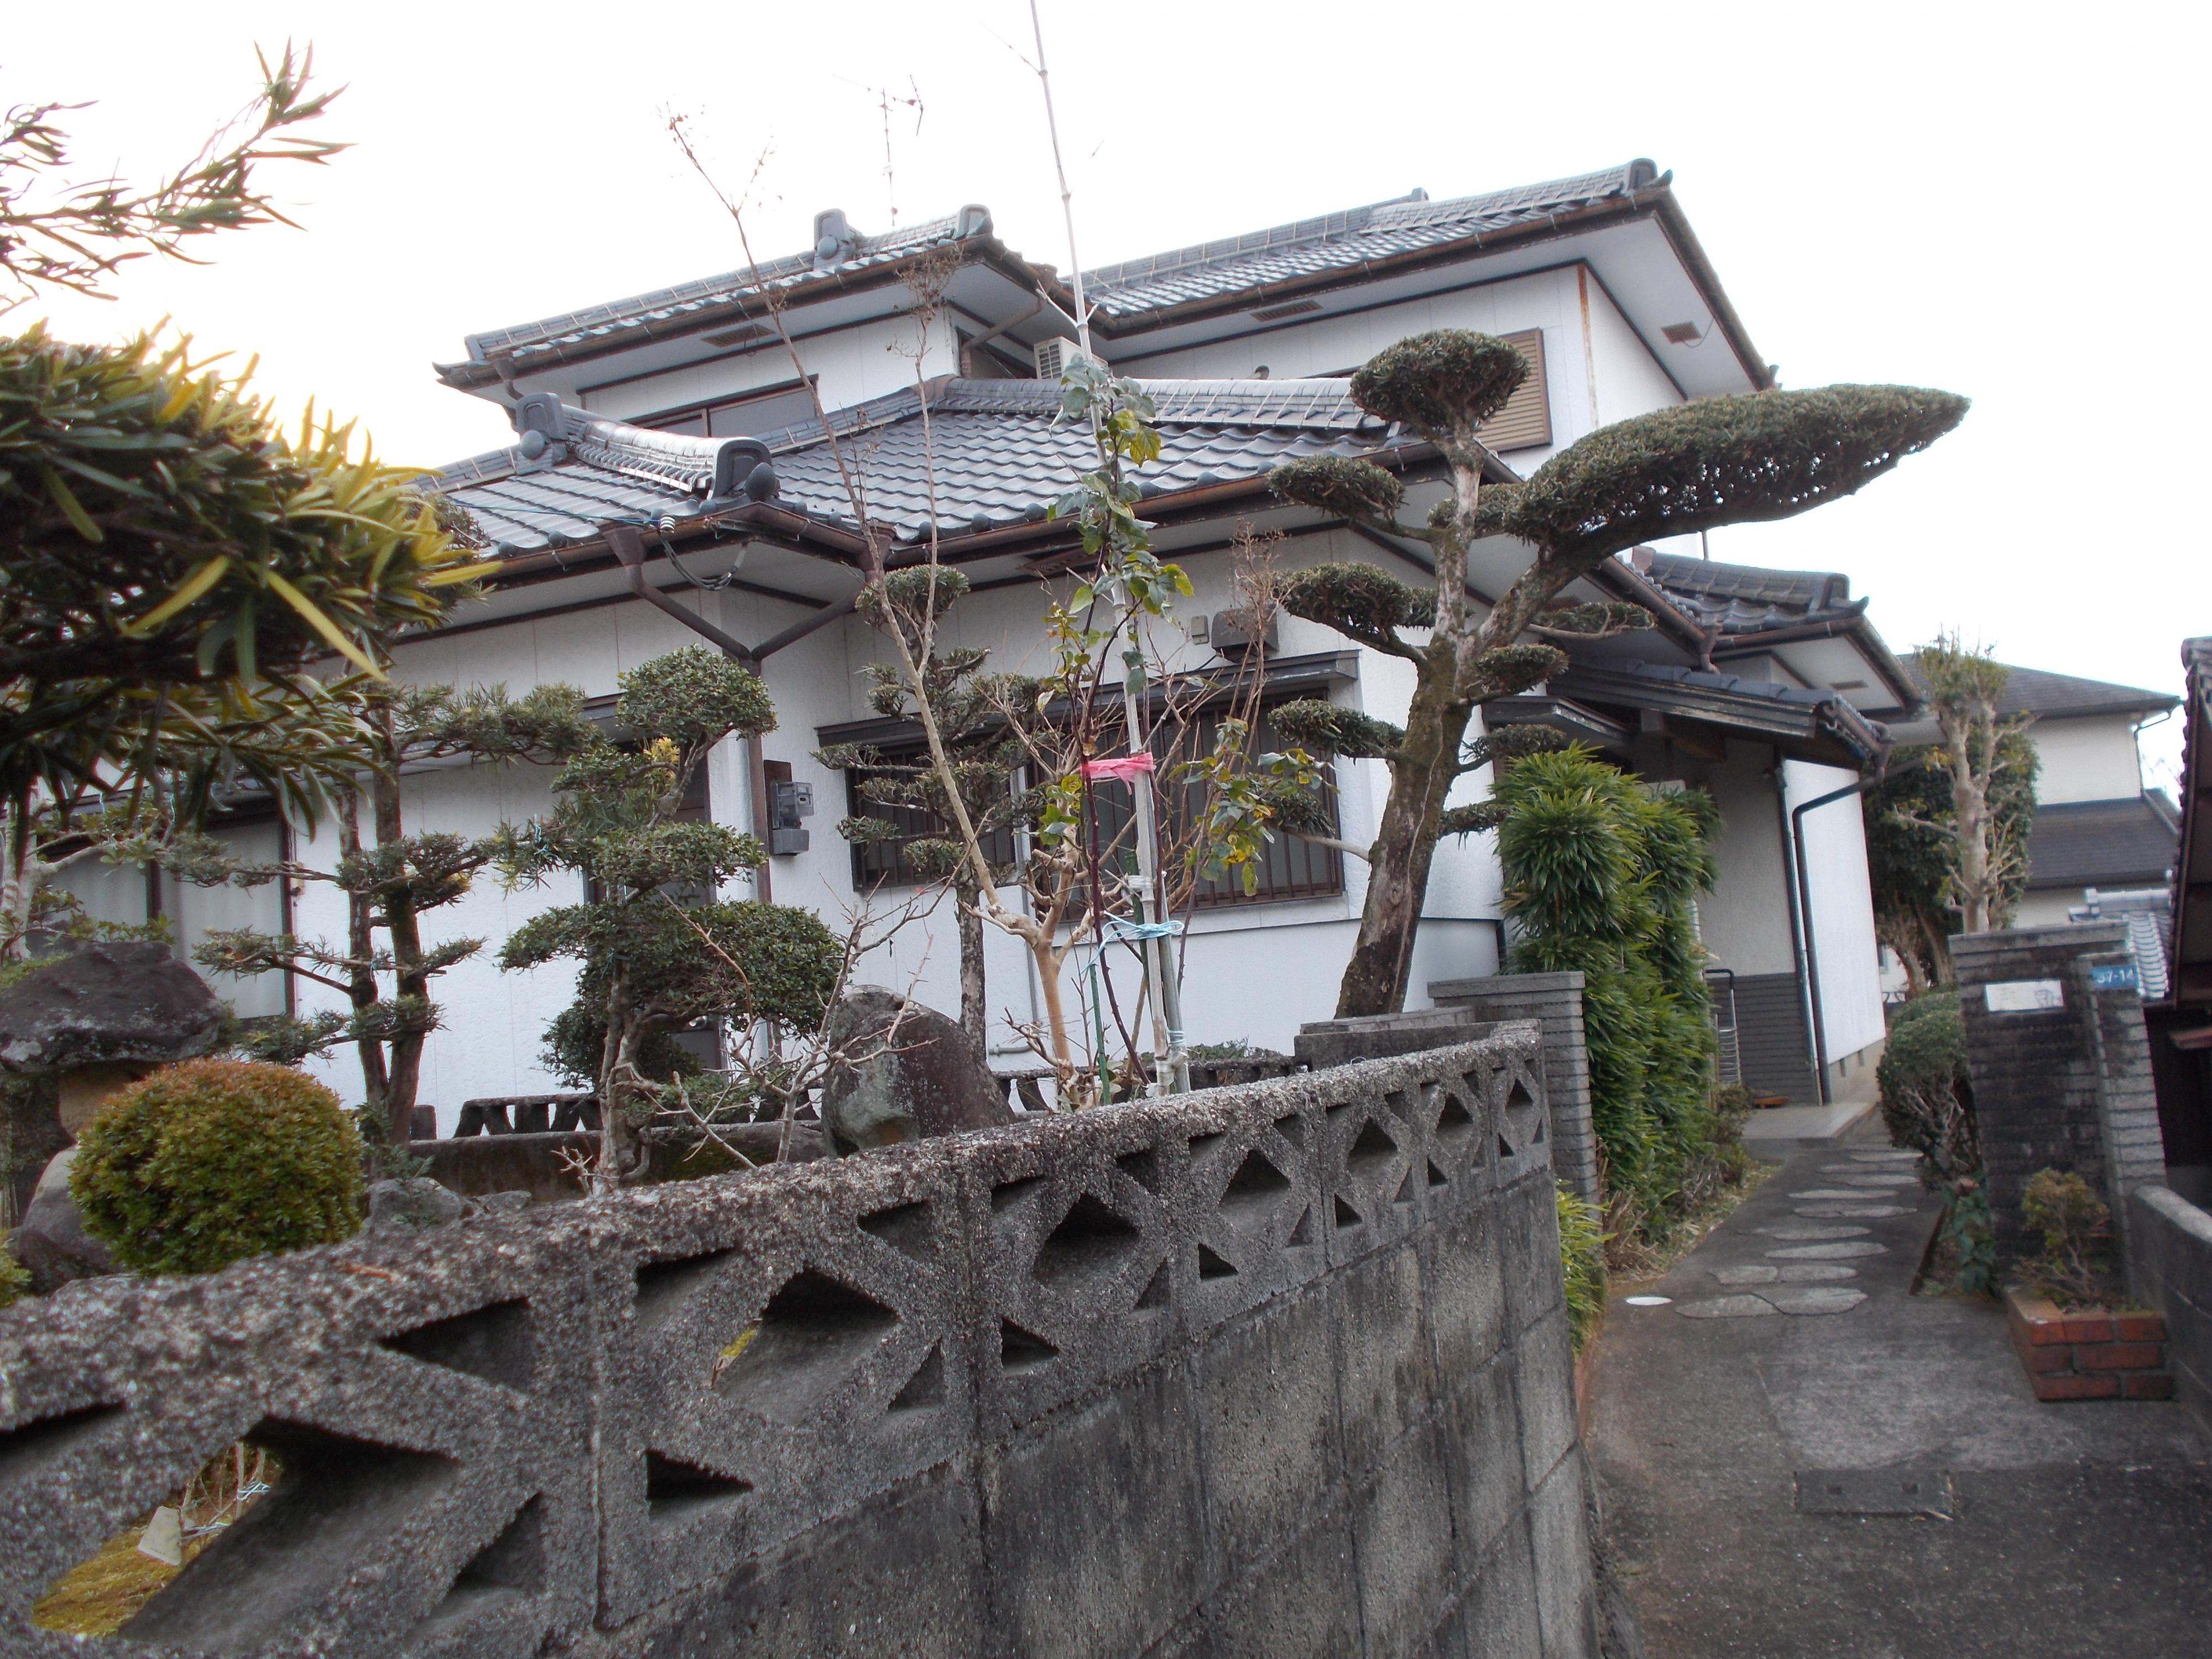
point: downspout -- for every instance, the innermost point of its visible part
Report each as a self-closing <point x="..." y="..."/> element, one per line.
<point x="1809" y="947"/>
<point x="1794" y="898"/>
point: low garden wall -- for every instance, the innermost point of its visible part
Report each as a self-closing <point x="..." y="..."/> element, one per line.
<point x="1466" y="1008"/>
<point x="2172" y="1243"/>
<point x="1277" y="1370"/>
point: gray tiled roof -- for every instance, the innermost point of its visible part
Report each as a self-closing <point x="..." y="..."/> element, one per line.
<point x="1743" y="599"/>
<point x="1724" y="699"/>
<point x="643" y="314"/>
<point x="2046" y="695"/>
<point x="1001" y="458"/>
<point x="2102" y="843"/>
<point x="1341" y="240"/>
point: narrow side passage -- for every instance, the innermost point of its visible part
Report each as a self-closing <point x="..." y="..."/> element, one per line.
<point x="1778" y="1447"/>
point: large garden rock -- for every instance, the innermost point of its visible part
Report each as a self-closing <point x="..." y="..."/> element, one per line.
<point x="909" y="1072"/>
<point x="128" y="1003"/>
<point x="417" y="1201"/>
<point x="103" y="1016"/>
<point x="52" y="1244"/>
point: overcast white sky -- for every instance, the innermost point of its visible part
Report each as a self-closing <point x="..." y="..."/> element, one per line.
<point x="2003" y="201"/>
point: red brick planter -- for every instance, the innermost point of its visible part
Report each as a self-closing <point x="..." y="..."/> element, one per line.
<point x="2089" y="1353"/>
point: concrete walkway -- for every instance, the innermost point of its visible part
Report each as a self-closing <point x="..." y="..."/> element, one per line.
<point x="1798" y="1458"/>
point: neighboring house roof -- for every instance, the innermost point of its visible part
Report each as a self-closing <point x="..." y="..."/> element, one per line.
<point x="2102" y="843"/>
<point x="2047" y="696"/>
<point x="1346" y="241"/>
<point x="1002" y="457"/>
<point x="1750" y="609"/>
<point x="1818" y="725"/>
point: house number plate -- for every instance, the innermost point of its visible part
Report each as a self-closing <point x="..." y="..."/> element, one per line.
<point x="2025" y="996"/>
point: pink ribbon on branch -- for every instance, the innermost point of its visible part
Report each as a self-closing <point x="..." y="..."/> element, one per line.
<point x="1122" y="769"/>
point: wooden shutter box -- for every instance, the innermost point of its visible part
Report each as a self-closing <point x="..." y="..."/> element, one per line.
<point x="1525" y="422"/>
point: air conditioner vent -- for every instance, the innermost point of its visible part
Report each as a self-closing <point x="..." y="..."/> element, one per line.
<point x="1054" y="356"/>
<point x="1294" y="308"/>
<point x="729" y="336"/>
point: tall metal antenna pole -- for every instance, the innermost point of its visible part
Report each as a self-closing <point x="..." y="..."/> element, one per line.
<point x="1067" y="197"/>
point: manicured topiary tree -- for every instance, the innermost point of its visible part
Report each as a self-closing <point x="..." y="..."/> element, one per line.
<point x="975" y="714"/>
<point x="1715" y="461"/>
<point x="659" y="949"/>
<point x="207" y="1162"/>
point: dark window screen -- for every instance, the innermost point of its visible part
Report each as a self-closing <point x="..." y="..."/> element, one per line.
<point x="1289" y="868"/>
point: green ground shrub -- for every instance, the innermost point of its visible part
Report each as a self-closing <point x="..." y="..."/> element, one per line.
<point x="15" y="1279"/>
<point x="1927" y="1093"/>
<point x="2075" y="1264"/>
<point x="1927" y="1097"/>
<point x="1582" y="1261"/>
<point x="205" y="1164"/>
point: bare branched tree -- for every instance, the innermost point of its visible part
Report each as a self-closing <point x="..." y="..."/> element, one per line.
<point x="1074" y="888"/>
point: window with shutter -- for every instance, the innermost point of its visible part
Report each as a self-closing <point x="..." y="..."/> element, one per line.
<point x="1525" y="422"/>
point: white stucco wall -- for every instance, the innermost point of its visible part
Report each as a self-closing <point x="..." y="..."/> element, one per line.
<point x="1745" y="921"/>
<point x="1338" y="345"/>
<point x="851" y="365"/>
<point x="1256" y="973"/>
<point x="2087" y="759"/>
<point x="1846" y="957"/>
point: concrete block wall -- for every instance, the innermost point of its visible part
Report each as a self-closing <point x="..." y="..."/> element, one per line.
<point x="1277" y="1370"/>
<point x="2172" y="1240"/>
<point x="1555" y="1002"/>
<point x="2067" y="1087"/>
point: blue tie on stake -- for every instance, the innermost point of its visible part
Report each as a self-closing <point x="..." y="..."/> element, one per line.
<point x="1119" y="930"/>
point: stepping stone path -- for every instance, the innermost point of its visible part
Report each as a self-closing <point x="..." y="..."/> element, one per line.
<point x="1818" y="1299"/>
<point x="1815" y="1299"/>
<point x="1726" y="1307"/>
<point x="1795" y="1272"/>
<point x="1850" y="1176"/>
<point x="1796" y="1229"/>
<point x="1804" y="1276"/>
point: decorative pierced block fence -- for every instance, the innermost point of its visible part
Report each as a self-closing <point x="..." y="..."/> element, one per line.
<point x="1276" y="1369"/>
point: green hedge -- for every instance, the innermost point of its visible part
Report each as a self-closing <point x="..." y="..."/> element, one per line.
<point x="1601" y="875"/>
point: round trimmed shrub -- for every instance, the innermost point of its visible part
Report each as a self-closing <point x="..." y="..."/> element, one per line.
<point x="205" y="1164"/>
<point x="1927" y="1092"/>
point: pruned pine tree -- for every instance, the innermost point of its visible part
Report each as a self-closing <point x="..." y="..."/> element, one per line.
<point x="1696" y="467"/>
<point x="651" y="881"/>
<point x="391" y="877"/>
<point x="975" y="714"/>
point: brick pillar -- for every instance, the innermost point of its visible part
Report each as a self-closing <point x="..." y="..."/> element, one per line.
<point x="2060" y="1068"/>
<point x="1556" y="1001"/>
